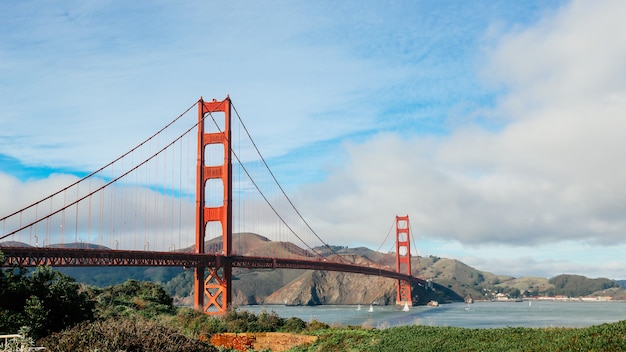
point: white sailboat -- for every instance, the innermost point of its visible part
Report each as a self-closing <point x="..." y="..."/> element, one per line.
<point x="358" y="307"/>
<point x="406" y="307"/>
<point x="371" y="308"/>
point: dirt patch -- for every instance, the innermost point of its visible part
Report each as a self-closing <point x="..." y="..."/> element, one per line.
<point x="274" y="341"/>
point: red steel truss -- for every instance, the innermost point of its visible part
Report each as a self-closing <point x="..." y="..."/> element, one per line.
<point x="59" y="257"/>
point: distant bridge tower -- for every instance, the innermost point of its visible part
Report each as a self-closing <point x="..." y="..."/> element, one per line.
<point x="216" y="286"/>
<point x="403" y="260"/>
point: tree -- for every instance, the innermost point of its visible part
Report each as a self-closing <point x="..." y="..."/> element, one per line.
<point x="43" y="299"/>
<point x="576" y="285"/>
<point x="145" y="298"/>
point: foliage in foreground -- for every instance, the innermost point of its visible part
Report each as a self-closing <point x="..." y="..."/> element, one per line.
<point x="42" y="299"/>
<point x="139" y="316"/>
<point x="605" y="337"/>
<point x="187" y="330"/>
<point x="194" y="323"/>
<point x="130" y="298"/>
<point x="126" y="334"/>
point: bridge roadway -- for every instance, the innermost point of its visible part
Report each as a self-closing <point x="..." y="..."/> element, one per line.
<point x="65" y="257"/>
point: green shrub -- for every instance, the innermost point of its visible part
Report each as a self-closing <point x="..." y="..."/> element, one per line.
<point x="317" y="325"/>
<point x="43" y="299"/>
<point x="294" y="324"/>
<point x="133" y="297"/>
<point x="269" y="321"/>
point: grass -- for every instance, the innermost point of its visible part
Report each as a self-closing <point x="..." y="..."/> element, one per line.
<point x="605" y="337"/>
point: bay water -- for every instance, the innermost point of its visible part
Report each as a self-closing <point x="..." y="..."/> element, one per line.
<point x="535" y="314"/>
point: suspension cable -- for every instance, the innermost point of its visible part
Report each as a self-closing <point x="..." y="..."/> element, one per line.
<point x="158" y="153"/>
<point x="386" y="237"/>
<point x="280" y="187"/>
<point x="106" y="184"/>
<point x="259" y="189"/>
<point x="416" y="252"/>
<point x="103" y="167"/>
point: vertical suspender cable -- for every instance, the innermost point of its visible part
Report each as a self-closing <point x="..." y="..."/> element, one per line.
<point x="420" y="269"/>
<point x="282" y="190"/>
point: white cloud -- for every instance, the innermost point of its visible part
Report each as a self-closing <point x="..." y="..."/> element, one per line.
<point x="553" y="173"/>
<point x="518" y="266"/>
<point x="17" y="194"/>
<point x="299" y="73"/>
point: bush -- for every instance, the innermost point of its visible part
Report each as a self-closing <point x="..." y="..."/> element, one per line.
<point x="294" y="324"/>
<point x="317" y="325"/>
<point x="195" y="323"/>
<point x="269" y="322"/>
<point x="44" y="300"/>
<point x="133" y="297"/>
<point x="127" y="334"/>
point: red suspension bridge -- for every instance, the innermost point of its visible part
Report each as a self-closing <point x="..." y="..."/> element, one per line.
<point x="142" y="209"/>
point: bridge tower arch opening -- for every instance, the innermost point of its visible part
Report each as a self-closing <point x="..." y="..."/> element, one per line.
<point x="403" y="260"/>
<point x="216" y="286"/>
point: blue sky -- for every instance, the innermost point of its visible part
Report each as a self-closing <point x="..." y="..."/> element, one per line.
<point x="496" y="125"/>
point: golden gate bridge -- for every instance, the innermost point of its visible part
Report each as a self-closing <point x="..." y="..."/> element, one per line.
<point x="158" y="203"/>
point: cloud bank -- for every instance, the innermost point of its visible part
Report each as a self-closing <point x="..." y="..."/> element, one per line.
<point x="550" y="172"/>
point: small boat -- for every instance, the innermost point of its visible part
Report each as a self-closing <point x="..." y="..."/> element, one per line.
<point x="433" y="304"/>
<point x="406" y="307"/>
<point x="371" y="308"/>
<point x="358" y="307"/>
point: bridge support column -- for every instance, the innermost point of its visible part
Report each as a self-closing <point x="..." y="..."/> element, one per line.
<point x="216" y="286"/>
<point x="403" y="260"/>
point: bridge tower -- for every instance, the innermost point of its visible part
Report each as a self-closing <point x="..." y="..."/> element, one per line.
<point x="216" y="286"/>
<point x="403" y="260"/>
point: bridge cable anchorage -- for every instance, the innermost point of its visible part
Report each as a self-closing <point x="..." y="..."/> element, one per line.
<point x="89" y="194"/>
<point x="282" y="190"/>
<point x="102" y="168"/>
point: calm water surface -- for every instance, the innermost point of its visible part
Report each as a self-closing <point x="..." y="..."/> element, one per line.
<point x="477" y="315"/>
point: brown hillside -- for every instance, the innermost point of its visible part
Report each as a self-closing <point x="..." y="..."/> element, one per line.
<point x="328" y="287"/>
<point x="277" y="250"/>
<point x="251" y="244"/>
<point x="461" y="278"/>
<point x="527" y="283"/>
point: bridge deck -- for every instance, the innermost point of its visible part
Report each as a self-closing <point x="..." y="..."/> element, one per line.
<point x="61" y="257"/>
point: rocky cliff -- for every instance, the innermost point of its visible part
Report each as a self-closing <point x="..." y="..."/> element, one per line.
<point x="329" y="287"/>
